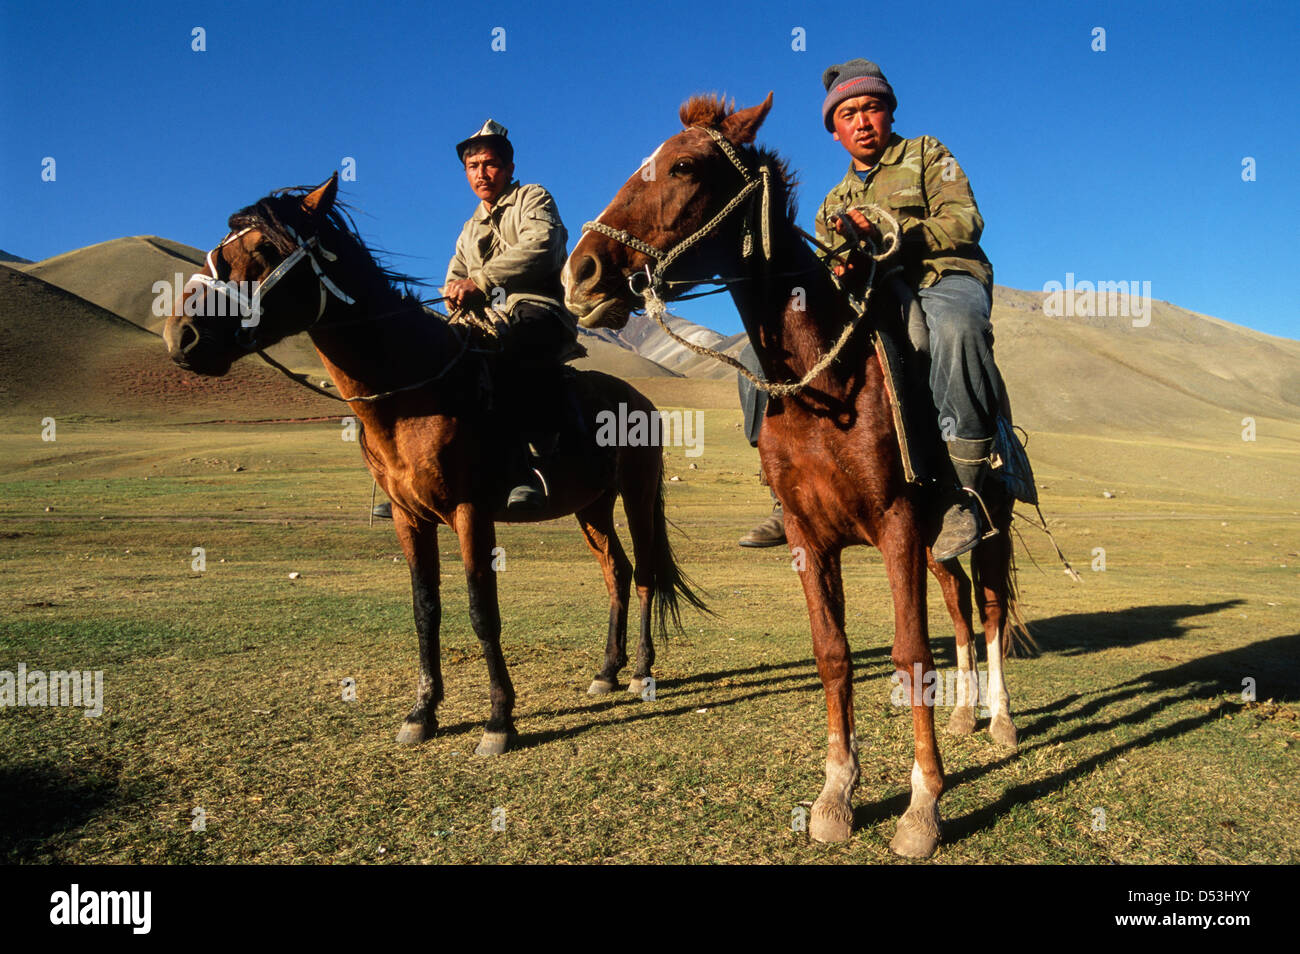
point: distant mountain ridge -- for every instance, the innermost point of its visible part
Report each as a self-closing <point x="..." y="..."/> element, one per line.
<point x="1182" y="374"/>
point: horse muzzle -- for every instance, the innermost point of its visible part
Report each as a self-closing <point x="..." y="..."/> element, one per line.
<point x="187" y="346"/>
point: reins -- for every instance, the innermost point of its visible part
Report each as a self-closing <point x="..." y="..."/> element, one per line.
<point x="306" y="250"/>
<point x="655" y="279"/>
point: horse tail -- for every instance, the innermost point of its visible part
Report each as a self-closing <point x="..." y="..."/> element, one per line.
<point x="670" y="582"/>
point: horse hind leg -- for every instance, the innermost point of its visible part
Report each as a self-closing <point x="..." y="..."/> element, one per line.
<point x="640" y="492"/>
<point x="597" y="523"/>
<point x="956" y="588"/>
<point x="994" y="556"/>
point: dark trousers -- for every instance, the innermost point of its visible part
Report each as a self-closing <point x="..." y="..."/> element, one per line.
<point x="530" y="368"/>
<point x="966" y="384"/>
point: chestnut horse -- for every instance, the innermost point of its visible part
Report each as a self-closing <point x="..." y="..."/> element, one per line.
<point x="712" y="204"/>
<point x="417" y="388"/>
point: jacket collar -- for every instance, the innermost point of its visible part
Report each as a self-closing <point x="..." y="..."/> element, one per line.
<point x="482" y="213"/>
<point x="893" y="154"/>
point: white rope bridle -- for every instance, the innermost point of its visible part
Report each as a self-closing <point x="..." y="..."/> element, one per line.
<point x="251" y="305"/>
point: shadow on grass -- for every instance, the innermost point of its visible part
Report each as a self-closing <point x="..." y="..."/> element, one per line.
<point x="39" y="801"/>
<point x="796" y="676"/>
<point x="1078" y="633"/>
<point x="1274" y="664"/>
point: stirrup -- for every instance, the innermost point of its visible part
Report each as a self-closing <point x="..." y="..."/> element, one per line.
<point x="526" y="497"/>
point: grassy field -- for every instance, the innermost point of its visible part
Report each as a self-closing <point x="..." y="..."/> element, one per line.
<point x="223" y="688"/>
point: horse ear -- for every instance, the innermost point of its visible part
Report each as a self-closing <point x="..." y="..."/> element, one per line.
<point x="321" y="199"/>
<point x="741" y="127"/>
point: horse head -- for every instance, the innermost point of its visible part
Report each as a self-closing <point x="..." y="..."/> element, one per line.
<point x="683" y="194"/>
<point x="267" y="280"/>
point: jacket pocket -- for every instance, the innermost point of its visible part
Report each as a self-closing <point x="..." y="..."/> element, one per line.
<point x="909" y="200"/>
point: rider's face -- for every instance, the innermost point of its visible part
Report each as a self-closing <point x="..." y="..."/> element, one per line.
<point x="862" y="126"/>
<point x="488" y="173"/>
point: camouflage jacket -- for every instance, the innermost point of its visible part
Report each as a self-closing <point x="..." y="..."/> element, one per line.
<point x="517" y="246"/>
<point x="920" y="183"/>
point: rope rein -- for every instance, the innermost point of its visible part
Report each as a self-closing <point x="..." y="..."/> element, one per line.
<point x="761" y="183"/>
<point x="658" y="310"/>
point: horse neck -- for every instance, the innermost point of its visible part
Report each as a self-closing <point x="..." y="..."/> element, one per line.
<point x="382" y="343"/>
<point x="790" y="332"/>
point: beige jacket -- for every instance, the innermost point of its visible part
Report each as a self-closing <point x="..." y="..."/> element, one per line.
<point x="517" y="246"/>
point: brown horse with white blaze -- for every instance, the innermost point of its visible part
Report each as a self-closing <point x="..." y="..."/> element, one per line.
<point x="417" y="388"/>
<point x="715" y="205"/>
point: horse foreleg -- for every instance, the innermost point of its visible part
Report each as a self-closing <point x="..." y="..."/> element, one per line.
<point x="420" y="544"/>
<point x="597" y="522"/>
<point x="955" y="586"/>
<point x="994" y="555"/>
<point x="900" y="545"/>
<point x="477" y="541"/>
<point x="823" y="588"/>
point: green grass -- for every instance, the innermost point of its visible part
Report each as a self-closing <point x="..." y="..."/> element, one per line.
<point x="223" y="688"/>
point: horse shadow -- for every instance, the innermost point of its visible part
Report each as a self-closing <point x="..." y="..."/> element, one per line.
<point x="40" y="801"/>
<point x="1273" y="665"/>
<point x="1075" y="634"/>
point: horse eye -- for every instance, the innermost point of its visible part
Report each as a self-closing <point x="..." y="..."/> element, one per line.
<point x="682" y="167"/>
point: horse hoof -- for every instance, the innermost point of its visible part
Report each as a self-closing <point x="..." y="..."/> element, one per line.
<point x="412" y="733"/>
<point x="638" y="686"/>
<point x="830" y="824"/>
<point x="599" y="687"/>
<point x="917" y="835"/>
<point x="962" y="721"/>
<point x="1002" y="730"/>
<point x="494" y="743"/>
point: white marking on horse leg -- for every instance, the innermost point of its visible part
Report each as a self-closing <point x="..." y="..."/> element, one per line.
<point x="962" y="720"/>
<point x="832" y="814"/>
<point x="922" y="797"/>
<point x="1001" y="728"/>
<point x="999" y="701"/>
<point x="967" y="673"/>
<point x="918" y="829"/>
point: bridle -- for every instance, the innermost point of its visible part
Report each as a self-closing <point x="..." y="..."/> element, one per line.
<point x="651" y="285"/>
<point x="241" y="303"/>
<point x="306" y="249"/>
<point x="654" y="280"/>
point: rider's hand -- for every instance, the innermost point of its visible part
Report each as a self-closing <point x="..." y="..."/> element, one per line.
<point x="866" y="229"/>
<point x="463" y="293"/>
<point x="854" y="259"/>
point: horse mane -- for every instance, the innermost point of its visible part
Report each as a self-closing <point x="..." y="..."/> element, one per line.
<point x="709" y="110"/>
<point x="272" y="213"/>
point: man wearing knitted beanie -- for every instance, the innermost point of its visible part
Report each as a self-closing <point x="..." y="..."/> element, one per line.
<point x="924" y="188"/>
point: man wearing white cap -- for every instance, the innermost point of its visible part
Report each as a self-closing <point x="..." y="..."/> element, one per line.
<point x="509" y="257"/>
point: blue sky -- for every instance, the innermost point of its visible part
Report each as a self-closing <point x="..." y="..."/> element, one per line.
<point x="1117" y="165"/>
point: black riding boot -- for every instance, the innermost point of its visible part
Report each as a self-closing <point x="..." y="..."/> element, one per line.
<point x="530" y="495"/>
<point x="963" y="524"/>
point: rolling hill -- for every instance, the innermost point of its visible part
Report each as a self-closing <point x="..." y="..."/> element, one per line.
<point x="1183" y="375"/>
<point x="62" y="356"/>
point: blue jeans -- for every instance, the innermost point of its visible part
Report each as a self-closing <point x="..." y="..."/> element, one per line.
<point x="966" y="384"/>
